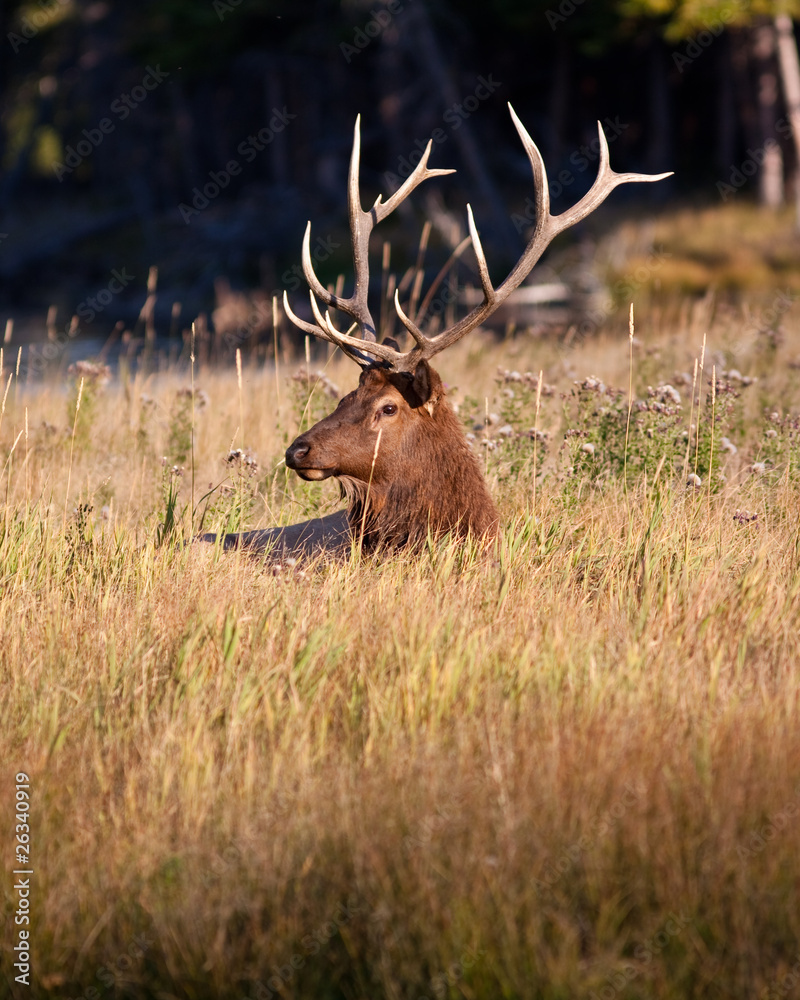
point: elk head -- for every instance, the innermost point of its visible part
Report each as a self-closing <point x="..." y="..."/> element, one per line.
<point x="344" y="444"/>
<point x="394" y="443"/>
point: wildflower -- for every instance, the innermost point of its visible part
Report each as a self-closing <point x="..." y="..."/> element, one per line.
<point x="694" y="481"/>
<point x="734" y="375"/>
<point x="592" y="384"/>
<point x="668" y="394"/>
<point x="506" y="431"/>
<point x="91" y="371"/>
<point x="316" y="380"/>
<point x="243" y="459"/>
<point x="537" y="435"/>
<point x="744" y="517"/>
<point x="587" y="448"/>
<point x="533" y="381"/>
<point x="771" y="433"/>
<point x="728" y="445"/>
<point x="759" y="468"/>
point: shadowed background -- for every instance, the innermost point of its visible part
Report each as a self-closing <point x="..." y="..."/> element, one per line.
<point x="198" y="139"/>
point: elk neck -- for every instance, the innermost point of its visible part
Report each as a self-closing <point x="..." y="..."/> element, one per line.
<point x="435" y="485"/>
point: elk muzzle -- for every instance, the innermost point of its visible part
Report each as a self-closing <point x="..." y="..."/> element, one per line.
<point x="301" y="457"/>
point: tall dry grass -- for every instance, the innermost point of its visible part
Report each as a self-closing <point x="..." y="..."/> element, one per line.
<point x="570" y="769"/>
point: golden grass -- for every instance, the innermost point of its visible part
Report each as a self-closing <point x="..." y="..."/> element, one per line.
<point x="570" y="769"/>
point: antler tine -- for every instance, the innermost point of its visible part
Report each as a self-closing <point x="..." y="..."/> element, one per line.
<point x="413" y="329"/>
<point x="319" y="331"/>
<point x="547" y="227"/>
<point x="353" y="347"/>
<point x="361" y="225"/>
<point x="605" y="182"/>
<point x="541" y="189"/>
<point x="419" y="174"/>
<point x="308" y="272"/>
<point x="480" y="256"/>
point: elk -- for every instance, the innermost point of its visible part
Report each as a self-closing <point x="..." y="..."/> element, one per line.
<point x="394" y="443"/>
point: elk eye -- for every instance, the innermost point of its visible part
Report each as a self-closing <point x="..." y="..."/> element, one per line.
<point x="389" y="409"/>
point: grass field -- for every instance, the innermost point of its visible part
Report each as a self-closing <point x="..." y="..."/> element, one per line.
<point x="568" y="769"/>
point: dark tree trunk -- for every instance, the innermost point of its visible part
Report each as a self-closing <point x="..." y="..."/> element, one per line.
<point x="726" y="104"/>
<point x="660" y="150"/>
<point x="433" y="64"/>
<point x="740" y="66"/>
<point x="559" y="101"/>
<point x="770" y="175"/>
<point x="790" y="80"/>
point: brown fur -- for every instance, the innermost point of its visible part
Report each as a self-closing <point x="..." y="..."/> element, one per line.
<point x="424" y="477"/>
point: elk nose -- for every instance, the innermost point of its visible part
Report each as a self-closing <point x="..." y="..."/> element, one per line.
<point x="296" y="452"/>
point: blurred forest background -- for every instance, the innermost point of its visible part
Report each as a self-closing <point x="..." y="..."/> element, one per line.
<point x="197" y="137"/>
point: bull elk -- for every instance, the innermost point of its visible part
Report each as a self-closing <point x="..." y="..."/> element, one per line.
<point x="394" y="443"/>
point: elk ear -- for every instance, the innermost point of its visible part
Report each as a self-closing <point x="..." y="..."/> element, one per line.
<point x="422" y="387"/>
<point x="427" y="386"/>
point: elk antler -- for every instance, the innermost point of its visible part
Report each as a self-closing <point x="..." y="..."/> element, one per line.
<point x="364" y="349"/>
